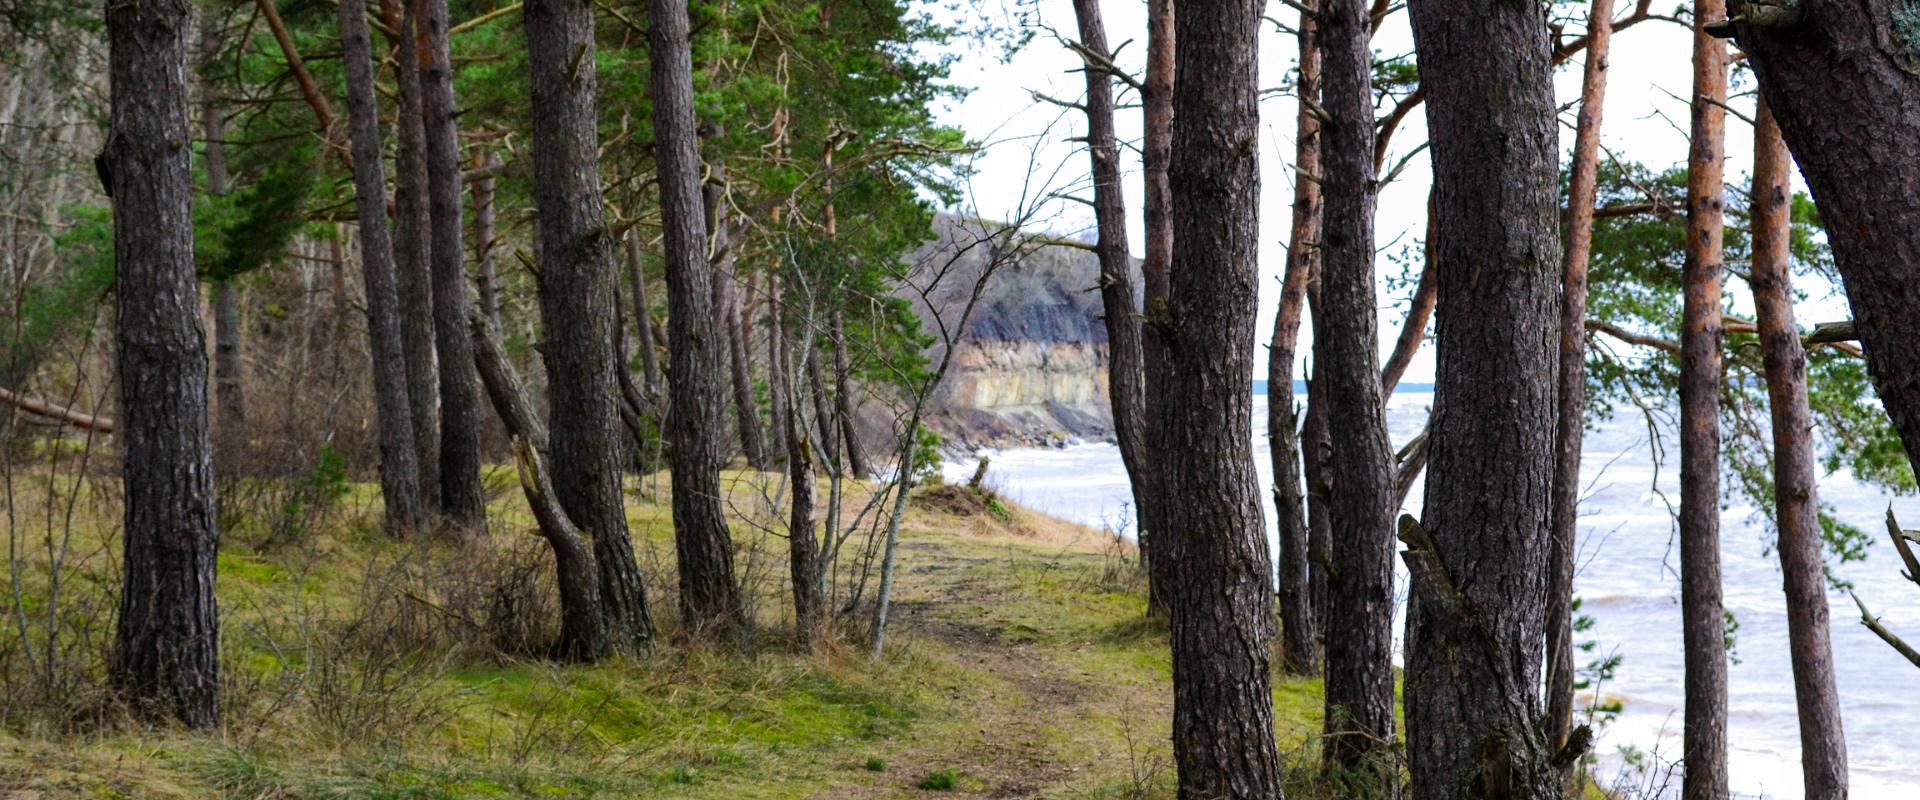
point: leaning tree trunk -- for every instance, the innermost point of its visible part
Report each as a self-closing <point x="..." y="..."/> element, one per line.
<point x="1221" y="591"/>
<point x="1572" y="414"/>
<point x="399" y="462"/>
<point x="709" y="599"/>
<point x="1359" y="690"/>
<point x="461" y="497"/>
<point x="1823" y="748"/>
<point x="1156" y="156"/>
<point x="1703" y="618"/>
<point x="166" y="658"/>
<point x="1475" y="620"/>
<point x="1126" y="376"/>
<point x="1844" y="84"/>
<point x="412" y="258"/>
<point x="579" y="288"/>
<point x="1300" y="644"/>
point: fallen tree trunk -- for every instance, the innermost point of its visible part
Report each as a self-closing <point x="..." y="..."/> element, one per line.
<point x="42" y="408"/>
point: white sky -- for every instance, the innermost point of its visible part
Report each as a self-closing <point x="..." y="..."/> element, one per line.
<point x="1645" y="120"/>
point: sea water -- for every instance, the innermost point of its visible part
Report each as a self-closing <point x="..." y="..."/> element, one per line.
<point x="1628" y="581"/>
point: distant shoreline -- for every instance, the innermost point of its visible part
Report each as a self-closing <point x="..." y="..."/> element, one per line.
<point x="1300" y="388"/>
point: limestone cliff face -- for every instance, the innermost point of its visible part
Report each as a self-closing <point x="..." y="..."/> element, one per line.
<point x="1030" y="366"/>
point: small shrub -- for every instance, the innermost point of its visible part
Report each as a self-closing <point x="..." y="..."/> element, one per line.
<point x="876" y="765"/>
<point x="943" y="781"/>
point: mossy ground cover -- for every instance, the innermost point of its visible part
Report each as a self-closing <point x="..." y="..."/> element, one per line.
<point x="1023" y="665"/>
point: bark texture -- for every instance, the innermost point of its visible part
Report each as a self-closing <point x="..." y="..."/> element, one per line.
<point x="1572" y="416"/>
<point x="709" y="598"/>
<point x="1703" y="617"/>
<point x="1478" y="565"/>
<point x="728" y="322"/>
<point x="412" y="253"/>
<point x="1823" y="747"/>
<point x="1221" y="591"/>
<point x="579" y="289"/>
<point x="483" y="238"/>
<point x="399" y="462"/>
<point x="166" y="659"/>
<point x="1126" y="369"/>
<point x="1300" y="644"/>
<point x="856" y="457"/>
<point x="1359" y="685"/>
<point x="803" y="545"/>
<point x="1156" y="157"/>
<point x="461" y="498"/>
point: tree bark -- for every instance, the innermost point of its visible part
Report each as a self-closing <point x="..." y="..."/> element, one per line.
<point x="399" y="461"/>
<point x="728" y="322"/>
<point x="823" y="419"/>
<point x="1846" y="95"/>
<point x="1478" y="569"/>
<point x="1823" y="747"/>
<point x="1222" y="592"/>
<point x="1300" y="644"/>
<point x="1156" y="272"/>
<point x="412" y="224"/>
<point x="843" y="398"/>
<point x="1704" y="625"/>
<point x="1359" y="687"/>
<point x="230" y="400"/>
<point x="1572" y="415"/>
<point x="166" y="659"/>
<point x="1316" y="449"/>
<point x="579" y="287"/>
<point x="809" y="605"/>
<point x="643" y="319"/>
<point x="461" y="497"/>
<point x="1126" y="376"/>
<point x="709" y="598"/>
<point x="484" y="239"/>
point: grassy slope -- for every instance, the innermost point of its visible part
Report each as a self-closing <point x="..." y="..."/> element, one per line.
<point x="1023" y="667"/>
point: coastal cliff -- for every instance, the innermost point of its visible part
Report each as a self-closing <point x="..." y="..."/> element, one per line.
<point x="1030" y="365"/>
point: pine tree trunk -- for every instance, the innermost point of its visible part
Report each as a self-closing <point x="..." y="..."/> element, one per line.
<point x="1126" y="377"/>
<point x="1156" y="157"/>
<point x="1359" y="688"/>
<point x="166" y="659"/>
<point x="412" y="224"/>
<point x="728" y="323"/>
<point x="1572" y="415"/>
<point x="579" y="288"/>
<point x="1300" y="645"/>
<point x="643" y="319"/>
<point x="399" y="462"/>
<point x="1704" y="626"/>
<point x="1844" y="84"/>
<point x="461" y="497"/>
<point x="1823" y="747"/>
<point x="1316" y="446"/>
<point x="1475" y="627"/>
<point x="1222" y="592"/>
<point x="230" y="401"/>
<point x="709" y="598"/>
<point x="809" y="606"/>
<point x="843" y="398"/>
<point x="823" y="418"/>
<point x="483" y="240"/>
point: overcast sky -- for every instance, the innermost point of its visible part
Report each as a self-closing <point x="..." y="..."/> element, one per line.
<point x="1645" y="120"/>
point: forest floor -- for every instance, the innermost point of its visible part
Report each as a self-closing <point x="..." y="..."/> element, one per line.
<point x="1021" y="664"/>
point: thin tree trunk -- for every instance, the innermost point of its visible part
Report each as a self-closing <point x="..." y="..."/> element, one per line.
<point x="579" y="288"/>
<point x="461" y="497"/>
<point x="823" y="418"/>
<point x="1478" y="564"/>
<point x="809" y="605"/>
<point x="166" y="658"/>
<point x="1419" y="313"/>
<point x="484" y="239"/>
<point x="1573" y="376"/>
<point x="584" y="622"/>
<point x="1316" y="450"/>
<point x="1704" y="625"/>
<point x="1847" y="99"/>
<point x="1222" y="593"/>
<point x="230" y="440"/>
<point x="728" y="324"/>
<point x="856" y="461"/>
<point x="643" y="319"/>
<point x="1300" y="645"/>
<point x="1823" y="748"/>
<point x="1156" y="157"/>
<point x="399" y="462"/>
<point x="709" y="598"/>
<point x="777" y="353"/>
<point x="1126" y="376"/>
<point x="412" y="257"/>
<point x="1359" y="689"/>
